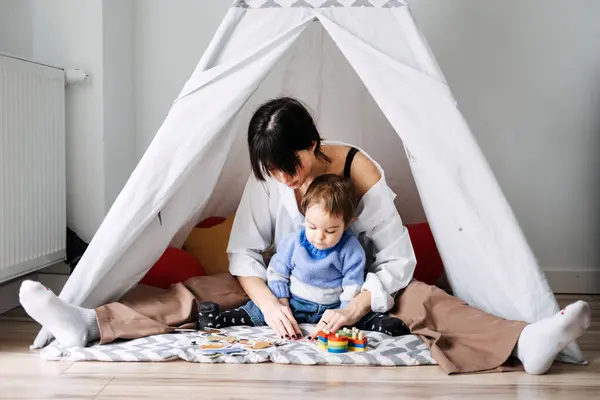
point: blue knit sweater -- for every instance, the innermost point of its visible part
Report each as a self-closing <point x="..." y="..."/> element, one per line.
<point x="321" y="276"/>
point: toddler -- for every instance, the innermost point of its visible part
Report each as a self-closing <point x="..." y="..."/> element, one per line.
<point x="321" y="267"/>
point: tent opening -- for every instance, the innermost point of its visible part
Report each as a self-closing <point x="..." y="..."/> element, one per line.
<point x="315" y="71"/>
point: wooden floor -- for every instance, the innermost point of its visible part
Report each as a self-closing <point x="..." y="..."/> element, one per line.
<point x="23" y="375"/>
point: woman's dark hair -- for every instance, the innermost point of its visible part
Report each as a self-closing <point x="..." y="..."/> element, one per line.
<point x="278" y="130"/>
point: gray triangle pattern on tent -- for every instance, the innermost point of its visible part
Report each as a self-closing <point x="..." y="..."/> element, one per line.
<point x="331" y="3"/>
<point x="240" y="4"/>
<point x="301" y="3"/>
<point x="271" y="4"/>
<point x="315" y="4"/>
<point x="393" y="4"/>
<point x="362" y="3"/>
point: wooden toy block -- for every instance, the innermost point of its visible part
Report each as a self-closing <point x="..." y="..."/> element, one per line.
<point x="343" y="341"/>
<point x="337" y="343"/>
<point x="345" y="332"/>
<point x="357" y="345"/>
<point x="322" y="340"/>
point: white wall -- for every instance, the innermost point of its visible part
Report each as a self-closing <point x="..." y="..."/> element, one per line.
<point x="526" y="75"/>
<point x="170" y="38"/>
<point x="15" y="27"/>
<point x="97" y="36"/>
<point x="68" y="33"/>
<point x="118" y="96"/>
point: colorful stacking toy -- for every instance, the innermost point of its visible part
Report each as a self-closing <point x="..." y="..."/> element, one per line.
<point x="337" y="344"/>
<point x="343" y="341"/>
<point x="322" y="340"/>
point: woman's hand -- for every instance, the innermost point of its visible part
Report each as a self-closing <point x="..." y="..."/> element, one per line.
<point x="277" y="312"/>
<point x="333" y="320"/>
<point x="280" y="318"/>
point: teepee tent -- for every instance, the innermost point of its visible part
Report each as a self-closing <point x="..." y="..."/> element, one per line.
<point x="370" y="79"/>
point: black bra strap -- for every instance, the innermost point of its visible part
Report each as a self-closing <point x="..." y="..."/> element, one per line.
<point x="349" y="158"/>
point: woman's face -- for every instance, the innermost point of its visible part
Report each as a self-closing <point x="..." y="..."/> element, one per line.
<point x="307" y="160"/>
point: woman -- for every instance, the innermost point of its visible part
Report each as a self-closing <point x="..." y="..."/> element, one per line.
<point x="286" y="154"/>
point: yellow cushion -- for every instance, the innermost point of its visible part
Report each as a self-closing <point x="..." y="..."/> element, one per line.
<point x="209" y="246"/>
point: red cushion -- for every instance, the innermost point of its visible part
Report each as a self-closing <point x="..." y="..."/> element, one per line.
<point x="210" y="222"/>
<point x="175" y="265"/>
<point x="429" y="263"/>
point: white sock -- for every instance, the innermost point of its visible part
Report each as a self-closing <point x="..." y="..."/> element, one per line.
<point x="71" y="326"/>
<point x="540" y="342"/>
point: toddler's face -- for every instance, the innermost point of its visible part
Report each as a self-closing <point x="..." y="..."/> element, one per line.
<point x="322" y="229"/>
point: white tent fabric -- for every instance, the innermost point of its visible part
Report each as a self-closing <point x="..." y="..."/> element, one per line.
<point x="365" y="71"/>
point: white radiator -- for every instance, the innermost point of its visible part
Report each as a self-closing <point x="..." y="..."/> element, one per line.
<point x="32" y="167"/>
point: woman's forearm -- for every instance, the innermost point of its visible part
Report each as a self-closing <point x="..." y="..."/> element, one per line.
<point x="257" y="290"/>
<point x="360" y="305"/>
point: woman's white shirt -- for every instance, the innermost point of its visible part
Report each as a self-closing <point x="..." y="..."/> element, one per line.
<point x="268" y="211"/>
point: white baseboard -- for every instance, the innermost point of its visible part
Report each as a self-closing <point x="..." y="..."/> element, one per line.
<point x="585" y="281"/>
